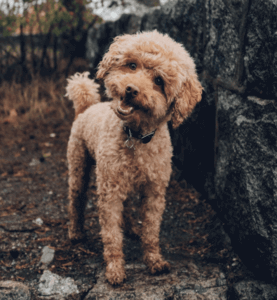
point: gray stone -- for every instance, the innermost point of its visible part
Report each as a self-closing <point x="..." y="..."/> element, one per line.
<point x="38" y="221"/>
<point x="34" y="162"/>
<point x="260" y="60"/>
<point x="53" y="285"/>
<point x="183" y="21"/>
<point x="12" y="290"/>
<point x="112" y="10"/>
<point x="47" y="255"/>
<point x="222" y="40"/>
<point x="246" y="178"/>
<point x="253" y="290"/>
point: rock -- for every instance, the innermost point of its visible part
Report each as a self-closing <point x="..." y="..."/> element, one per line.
<point x="12" y="290"/>
<point x="253" y="290"/>
<point x="112" y="10"/>
<point x="185" y="281"/>
<point x="260" y="60"/>
<point x="47" y="255"/>
<point x="34" y="162"/>
<point x="38" y="221"/>
<point x="53" y="285"/>
<point x="246" y="178"/>
<point x="222" y="48"/>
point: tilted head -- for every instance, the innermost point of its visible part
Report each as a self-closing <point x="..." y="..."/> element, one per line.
<point x="151" y="79"/>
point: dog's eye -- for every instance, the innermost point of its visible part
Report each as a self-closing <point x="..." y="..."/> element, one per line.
<point x="159" y="81"/>
<point x="132" y="66"/>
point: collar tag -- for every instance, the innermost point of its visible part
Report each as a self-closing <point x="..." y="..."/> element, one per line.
<point x="129" y="143"/>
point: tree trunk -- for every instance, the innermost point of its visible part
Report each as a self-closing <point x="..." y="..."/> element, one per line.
<point x="22" y="46"/>
<point x="45" y="46"/>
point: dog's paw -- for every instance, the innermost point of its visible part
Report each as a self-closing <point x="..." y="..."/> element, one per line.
<point x="76" y="236"/>
<point x="115" y="272"/>
<point x="160" y="267"/>
<point x="156" y="264"/>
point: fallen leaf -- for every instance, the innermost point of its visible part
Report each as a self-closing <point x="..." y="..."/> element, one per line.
<point x="21" y="278"/>
<point x="68" y="264"/>
<point x="46" y="154"/>
<point x="87" y="251"/>
<point x="22" y="267"/>
<point x="61" y="258"/>
<point x="48" y="144"/>
<point x="13" y="113"/>
<point x="6" y="265"/>
<point x="34" y="261"/>
<point x="5" y="214"/>
<point x="49" y="238"/>
<point x="24" y="179"/>
<point x="19" y="174"/>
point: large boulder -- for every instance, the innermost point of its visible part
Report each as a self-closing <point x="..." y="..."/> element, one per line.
<point x="246" y="178"/>
<point x="260" y="59"/>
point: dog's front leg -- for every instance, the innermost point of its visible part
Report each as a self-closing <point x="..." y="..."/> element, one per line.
<point x="152" y="210"/>
<point x="110" y="207"/>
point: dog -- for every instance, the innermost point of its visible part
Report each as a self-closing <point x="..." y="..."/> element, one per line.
<point x="151" y="80"/>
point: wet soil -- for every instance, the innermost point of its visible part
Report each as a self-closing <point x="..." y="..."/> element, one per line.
<point x="33" y="186"/>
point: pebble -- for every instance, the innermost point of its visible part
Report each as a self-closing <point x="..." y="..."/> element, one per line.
<point x="34" y="162"/>
<point x="47" y="255"/>
<point x="51" y="284"/>
<point x="38" y="221"/>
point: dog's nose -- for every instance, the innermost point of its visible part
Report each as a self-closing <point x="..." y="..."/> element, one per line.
<point x="132" y="91"/>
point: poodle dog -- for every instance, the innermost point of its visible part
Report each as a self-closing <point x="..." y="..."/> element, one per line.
<point x="151" y="80"/>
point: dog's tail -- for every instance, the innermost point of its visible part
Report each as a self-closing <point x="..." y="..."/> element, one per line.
<point x="82" y="91"/>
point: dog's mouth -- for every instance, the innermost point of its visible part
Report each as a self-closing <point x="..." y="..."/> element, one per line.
<point x="124" y="112"/>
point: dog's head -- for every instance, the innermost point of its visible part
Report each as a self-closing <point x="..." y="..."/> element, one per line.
<point x="151" y="80"/>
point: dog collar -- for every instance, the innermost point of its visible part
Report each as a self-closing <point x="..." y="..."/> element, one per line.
<point x="134" y="134"/>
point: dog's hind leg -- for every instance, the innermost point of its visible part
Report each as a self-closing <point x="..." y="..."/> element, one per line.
<point x="79" y="165"/>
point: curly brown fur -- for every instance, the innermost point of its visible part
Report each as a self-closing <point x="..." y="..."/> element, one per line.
<point x="151" y="80"/>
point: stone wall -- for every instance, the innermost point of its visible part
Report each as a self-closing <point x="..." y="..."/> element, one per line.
<point x="228" y="148"/>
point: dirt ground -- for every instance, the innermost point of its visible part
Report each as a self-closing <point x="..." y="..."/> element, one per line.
<point x="33" y="187"/>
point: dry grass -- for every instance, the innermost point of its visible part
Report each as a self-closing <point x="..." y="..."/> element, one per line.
<point x="37" y="99"/>
<point x="32" y="100"/>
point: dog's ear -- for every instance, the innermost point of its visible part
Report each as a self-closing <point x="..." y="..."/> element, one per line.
<point x="113" y="56"/>
<point x="104" y="66"/>
<point x="189" y="95"/>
